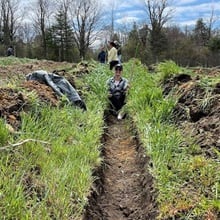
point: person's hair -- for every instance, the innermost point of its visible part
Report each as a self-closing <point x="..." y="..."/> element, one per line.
<point x="112" y="43"/>
<point x="119" y="67"/>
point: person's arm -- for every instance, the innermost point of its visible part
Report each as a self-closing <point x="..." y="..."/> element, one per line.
<point x="108" y="84"/>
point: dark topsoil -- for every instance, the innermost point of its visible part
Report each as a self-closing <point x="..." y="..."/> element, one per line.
<point x="124" y="189"/>
<point x="197" y="112"/>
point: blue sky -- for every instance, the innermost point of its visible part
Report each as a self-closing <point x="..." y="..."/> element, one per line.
<point x="186" y="12"/>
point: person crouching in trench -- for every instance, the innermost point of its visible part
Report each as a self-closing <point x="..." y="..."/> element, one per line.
<point x="117" y="90"/>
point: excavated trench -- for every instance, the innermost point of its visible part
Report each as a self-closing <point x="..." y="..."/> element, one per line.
<point x="124" y="187"/>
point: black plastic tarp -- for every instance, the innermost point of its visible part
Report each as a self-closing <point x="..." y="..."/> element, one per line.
<point x="59" y="84"/>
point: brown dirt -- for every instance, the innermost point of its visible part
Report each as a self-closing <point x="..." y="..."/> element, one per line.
<point x="13" y="101"/>
<point x="21" y="69"/>
<point x="125" y="190"/>
<point x="197" y="111"/>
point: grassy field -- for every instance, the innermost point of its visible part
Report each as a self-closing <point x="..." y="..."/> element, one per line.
<point x="49" y="174"/>
<point x="187" y="181"/>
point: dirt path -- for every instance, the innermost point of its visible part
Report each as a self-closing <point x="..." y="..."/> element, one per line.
<point x="125" y="189"/>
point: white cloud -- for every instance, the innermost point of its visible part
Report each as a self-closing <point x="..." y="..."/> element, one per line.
<point x="123" y="3"/>
<point x="190" y="14"/>
<point x="130" y="16"/>
<point x="127" y="19"/>
<point x="184" y="2"/>
<point x="185" y="11"/>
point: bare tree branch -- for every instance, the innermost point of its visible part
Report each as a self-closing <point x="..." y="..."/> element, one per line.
<point x="22" y="142"/>
<point x="86" y="15"/>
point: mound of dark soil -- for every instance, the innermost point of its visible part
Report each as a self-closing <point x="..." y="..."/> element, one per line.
<point x="12" y="101"/>
<point x="197" y="111"/>
<point x="11" y="104"/>
<point x="44" y="92"/>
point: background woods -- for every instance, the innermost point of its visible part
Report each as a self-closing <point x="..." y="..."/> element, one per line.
<point x="65" y="30"/>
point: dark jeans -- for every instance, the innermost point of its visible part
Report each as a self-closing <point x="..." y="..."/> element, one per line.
<point x="117" y="102"/>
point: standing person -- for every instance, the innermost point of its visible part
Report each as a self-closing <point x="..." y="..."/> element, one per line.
<point x="112" y="55"/>
<point x="10" y="51"/>
<point x="102" y="56"/>
<point x="117" y="90"/>
<point x="118" y="47"/>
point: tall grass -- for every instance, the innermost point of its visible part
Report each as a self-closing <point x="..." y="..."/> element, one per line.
<point x="97" y="85"/>
<point x="188" y="186"/>
<point x="6" y="61"/>
<point x="167" y="69"/>
<point x="4" y="132"/>
<point x="50" y="176"/>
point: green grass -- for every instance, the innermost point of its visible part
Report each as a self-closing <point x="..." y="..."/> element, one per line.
<point x="52" y="179"/>
<point x="167" y="69"/>
<point x="187" y="184"/>
<point x="4" y="133"/>
<point x="11" y="60"/>
<point x="50" y="175"/>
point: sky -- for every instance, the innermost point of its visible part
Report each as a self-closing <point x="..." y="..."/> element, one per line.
<point x="185" y="12"/>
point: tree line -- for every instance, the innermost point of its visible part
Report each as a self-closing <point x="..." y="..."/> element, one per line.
<point x="66" y="30"/>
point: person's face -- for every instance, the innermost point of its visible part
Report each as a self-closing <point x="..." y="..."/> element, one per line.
<point x="118" y="73"/>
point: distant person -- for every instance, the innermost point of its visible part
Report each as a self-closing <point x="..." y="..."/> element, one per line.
<point x="112" y="55"/>
<point x="10" y="51"/>
<point x="59" y="84"/>
<point x="102" y="56"/>
<point x="117" y="89"/>
<point x="118" y="47"/>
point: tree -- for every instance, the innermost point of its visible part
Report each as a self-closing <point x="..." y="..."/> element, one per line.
<point x="112" y="16"/>
<point x="211" y="21"/>
<point x="214" y="44"/>
<point x="8" y="20"/>
<point x="25" y="34"/>
<point x="201" y="33"/>
<point x="85" y="20"/>
<point x="132" y="46"/>
<point x="60" y="35"/>
<point x="41" y="17"/>
<point x="177" y="39"/>
<point x="158" y="15"/>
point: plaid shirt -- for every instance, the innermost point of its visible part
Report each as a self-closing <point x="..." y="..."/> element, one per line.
<point x="117" y="89"/>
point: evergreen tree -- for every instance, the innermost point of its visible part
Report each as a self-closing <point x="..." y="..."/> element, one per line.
<point x="214" y="44"/>
<point x="60" y="38"/>
<point x="201" y="33"/>
<point x="133" y="43"/>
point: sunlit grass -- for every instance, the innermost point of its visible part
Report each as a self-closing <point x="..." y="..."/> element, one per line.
<point x="168" y="68"/>
<point x="187" y="184"/>
<point x="50" y="176"/>
<point x="4" y="132"/>
<point x="6" y="61"/>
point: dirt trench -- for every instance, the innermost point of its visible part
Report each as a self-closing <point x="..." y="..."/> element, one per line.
<point x="124" y="188"/>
